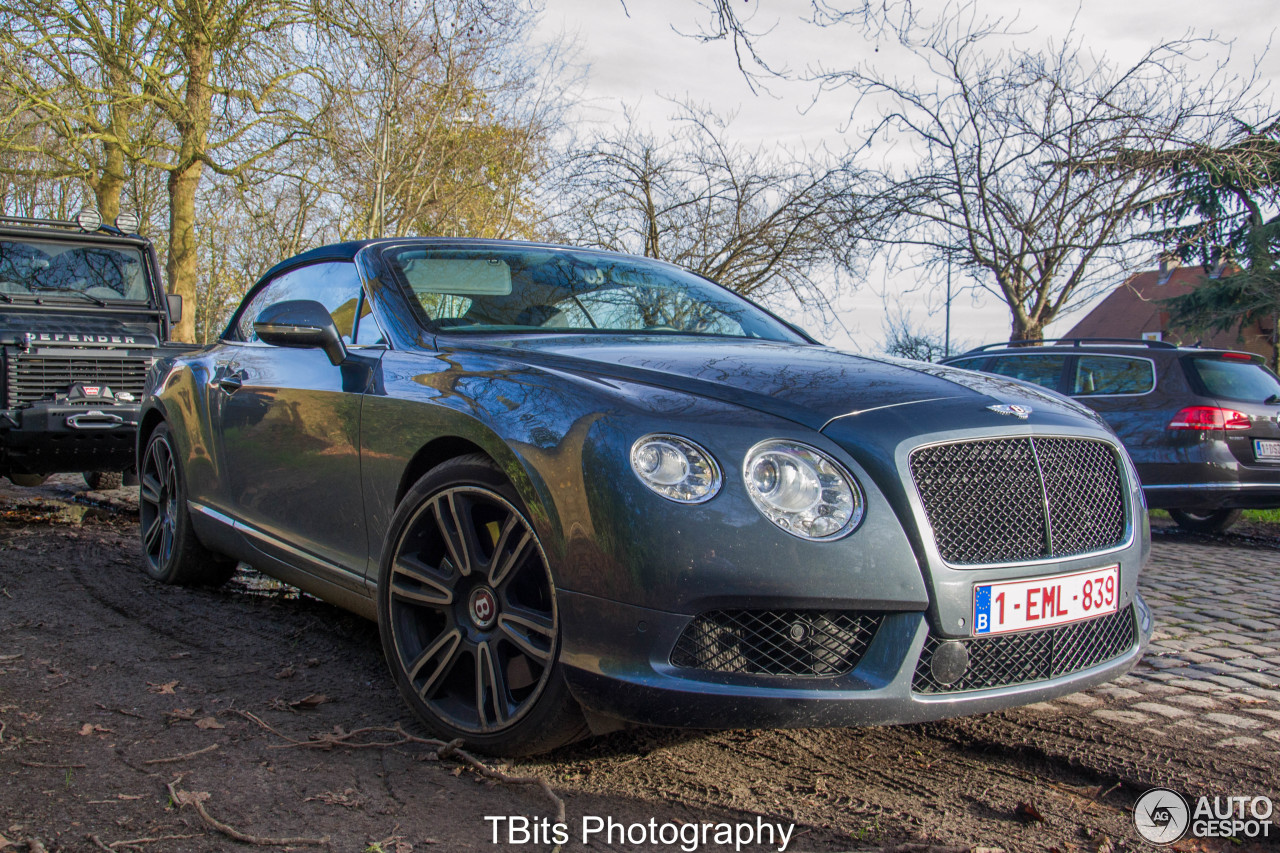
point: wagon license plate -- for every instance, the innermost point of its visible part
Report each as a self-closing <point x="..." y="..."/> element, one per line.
<point x="1266" y="451"/>
<point x="1000" y="608"/>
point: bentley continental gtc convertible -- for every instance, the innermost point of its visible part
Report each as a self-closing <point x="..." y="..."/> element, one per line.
<point x="577" y="489"/>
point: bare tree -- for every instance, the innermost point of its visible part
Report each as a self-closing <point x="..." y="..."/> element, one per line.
<point x="170" y="85"/>
<point x="759" y="224"/>
<point x="993" y="149"/>
<point x="439" y="120"/>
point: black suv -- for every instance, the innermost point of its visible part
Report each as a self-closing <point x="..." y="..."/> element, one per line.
<point x="82" y="313"/>
<point x="1202" y="425"/>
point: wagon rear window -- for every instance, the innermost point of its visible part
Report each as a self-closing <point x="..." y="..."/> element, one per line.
<point x="1246" y="381"/>
<point x="540" y="290"/>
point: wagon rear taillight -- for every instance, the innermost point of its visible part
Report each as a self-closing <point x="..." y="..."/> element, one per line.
<point x="1209" y="417"/>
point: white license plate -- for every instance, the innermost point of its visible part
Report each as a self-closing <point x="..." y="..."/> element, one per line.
<point x="999" y="608"/>
<point x="1264" y="449"/>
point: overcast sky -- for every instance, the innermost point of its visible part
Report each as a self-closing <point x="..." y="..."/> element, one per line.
<point x="634" y="56"/>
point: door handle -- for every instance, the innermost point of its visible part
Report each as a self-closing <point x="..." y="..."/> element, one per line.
<point x="228" y="377"/>
<point x="231" y="382"/>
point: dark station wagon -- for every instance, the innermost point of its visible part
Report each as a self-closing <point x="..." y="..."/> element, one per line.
<point x="1201" y="425"/>
<point x="578" y="489"/>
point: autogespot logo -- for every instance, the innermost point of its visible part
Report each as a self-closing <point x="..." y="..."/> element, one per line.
<point x="1161" y="816"/>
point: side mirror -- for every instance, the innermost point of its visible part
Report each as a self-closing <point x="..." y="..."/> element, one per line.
<point x="175" y="308"/>
<point x="302" y="324"/>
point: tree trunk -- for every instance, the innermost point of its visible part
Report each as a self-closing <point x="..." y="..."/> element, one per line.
<point x="183" y="266"/>
<point x="1026" y="330"/>
<point x="109" y="186"/>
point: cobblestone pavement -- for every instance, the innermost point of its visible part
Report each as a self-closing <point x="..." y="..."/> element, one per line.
<point x="1213" y="666"/>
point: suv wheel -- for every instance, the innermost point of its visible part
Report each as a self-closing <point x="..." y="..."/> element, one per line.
<point x="1205" y="521"/>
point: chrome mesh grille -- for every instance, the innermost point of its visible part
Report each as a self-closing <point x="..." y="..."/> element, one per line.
<point x="812" y="644"/>
<point x="39" y="377"/>
<point x="1083" y="488"/>
<point x="1028" y="656"/>
<point x="1011" y="500"/>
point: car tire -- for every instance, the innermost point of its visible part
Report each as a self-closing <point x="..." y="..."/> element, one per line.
<point x="1205" y="521"/>
<point x="102" y="480"/>
<point x="171" y="552"/>
<point x="468" y="618"/>
<point x="28" y="481"/>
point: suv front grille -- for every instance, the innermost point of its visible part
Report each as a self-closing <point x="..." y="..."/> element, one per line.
<point x="1011" y="500"/>
<point x="1028" y="656"/>
<point x="806" y="643"/>
<point x="39" y="377"/>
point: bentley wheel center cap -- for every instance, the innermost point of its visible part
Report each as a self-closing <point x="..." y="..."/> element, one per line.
<point x="483" y="608"/>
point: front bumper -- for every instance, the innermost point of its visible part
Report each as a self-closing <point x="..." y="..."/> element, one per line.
<point x="625" y="672"/>
<point x="50" y="437"/>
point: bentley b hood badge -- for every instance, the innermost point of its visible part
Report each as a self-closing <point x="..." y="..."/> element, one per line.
<point x="1019" y="412"/>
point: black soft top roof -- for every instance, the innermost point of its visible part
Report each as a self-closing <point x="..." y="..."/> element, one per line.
<point x="334" y="252"/>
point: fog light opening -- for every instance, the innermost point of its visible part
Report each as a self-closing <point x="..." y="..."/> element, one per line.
<point x="950" y="660"/>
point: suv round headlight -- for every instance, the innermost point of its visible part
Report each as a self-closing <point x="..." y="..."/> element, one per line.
<point x="676" y="468"/>
<point x="802" y="490"/>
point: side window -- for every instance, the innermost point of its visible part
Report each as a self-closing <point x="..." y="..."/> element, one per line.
<point x="1109" y="374"/>
<point x="336" y="286"/>
<point x="1043" y="370"/>
<point x="968" y="363"/>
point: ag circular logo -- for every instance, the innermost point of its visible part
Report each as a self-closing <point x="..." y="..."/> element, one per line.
<point x="1161" y="816"/>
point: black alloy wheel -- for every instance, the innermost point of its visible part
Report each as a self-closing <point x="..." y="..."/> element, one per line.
<point x="170" y="549"/>
<point x="467" y="612"/>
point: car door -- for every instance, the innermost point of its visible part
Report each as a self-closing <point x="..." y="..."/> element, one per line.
<point x="287" y="425"/>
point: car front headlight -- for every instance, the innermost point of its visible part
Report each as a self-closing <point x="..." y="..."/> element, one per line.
<point x="676" y="468"/>
<point x="802" y="490"/>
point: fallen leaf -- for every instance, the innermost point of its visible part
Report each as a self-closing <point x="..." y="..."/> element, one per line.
<point x="348" y="798"/>
<point x="190" y="798"/>
<point x="1028" y="813"/>
<point x="287" y="672"/>
<point x="182" y="714"/>
<point x="310" y="701"/>
<point x="90" y="728"/>
<point x="457" y="771"/>
<point x="167" y="687"/>
<point x="209" y="723"/>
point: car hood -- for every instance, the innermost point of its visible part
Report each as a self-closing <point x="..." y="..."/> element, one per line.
<point x="90" y="327"/>
<point x="811" y="385"/>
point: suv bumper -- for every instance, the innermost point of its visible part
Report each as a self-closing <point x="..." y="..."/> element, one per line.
<point x="51" y="438"/>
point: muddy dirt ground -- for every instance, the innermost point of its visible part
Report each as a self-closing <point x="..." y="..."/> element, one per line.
<point x="135" y="716"/>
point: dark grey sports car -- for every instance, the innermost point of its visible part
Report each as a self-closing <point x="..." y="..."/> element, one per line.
<point x="576" y="488"/>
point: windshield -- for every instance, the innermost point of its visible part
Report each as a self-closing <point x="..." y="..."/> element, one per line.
<point x="1246" y="381"/>
<point x="52" y="269"/>
<point x="505" y="289"/>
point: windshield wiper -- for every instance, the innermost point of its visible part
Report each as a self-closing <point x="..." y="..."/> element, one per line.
<point x="95" y="300"/>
